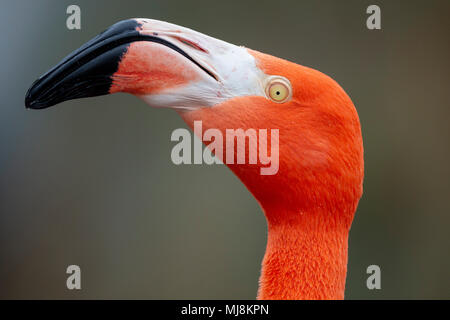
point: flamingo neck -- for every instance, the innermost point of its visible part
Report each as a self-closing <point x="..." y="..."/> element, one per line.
<point x="306" y="258"/>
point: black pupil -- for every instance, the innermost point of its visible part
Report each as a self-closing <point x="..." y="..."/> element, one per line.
<point x="278" y="93"/>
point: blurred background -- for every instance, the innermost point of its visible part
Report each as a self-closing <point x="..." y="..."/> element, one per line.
<point x="90" y="182"/>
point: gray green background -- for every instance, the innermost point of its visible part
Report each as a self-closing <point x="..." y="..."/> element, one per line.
<point x="90" y="182"/>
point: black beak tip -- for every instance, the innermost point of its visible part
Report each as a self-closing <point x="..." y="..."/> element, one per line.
<point x="87" y="71"/>
<point x="31" y="101"/>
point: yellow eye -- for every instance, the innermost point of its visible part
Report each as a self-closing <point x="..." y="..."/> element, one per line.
<point x="279" y="90"/>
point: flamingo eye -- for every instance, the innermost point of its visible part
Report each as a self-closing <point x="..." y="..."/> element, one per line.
<point x="279" y="90"/>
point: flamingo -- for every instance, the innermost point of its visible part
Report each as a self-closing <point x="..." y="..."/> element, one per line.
<point x="309" y="204"/>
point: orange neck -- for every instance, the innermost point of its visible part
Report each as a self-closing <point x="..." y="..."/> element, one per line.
<point x="305" y="259"/>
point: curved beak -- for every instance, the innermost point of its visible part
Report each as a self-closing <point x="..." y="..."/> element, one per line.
<point x="164" y="64"/>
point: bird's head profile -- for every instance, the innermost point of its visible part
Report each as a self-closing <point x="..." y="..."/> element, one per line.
<point x="311" y="123"/>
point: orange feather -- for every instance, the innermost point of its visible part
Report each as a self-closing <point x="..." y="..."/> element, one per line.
<point x="310" y="203"/>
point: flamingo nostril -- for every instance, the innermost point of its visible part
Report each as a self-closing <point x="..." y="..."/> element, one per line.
<point x="191" y="44"/>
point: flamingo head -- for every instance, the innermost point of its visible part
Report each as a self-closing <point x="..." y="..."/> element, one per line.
<point x="319" y="147"/>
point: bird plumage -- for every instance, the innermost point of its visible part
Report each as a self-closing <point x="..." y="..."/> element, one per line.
<point x="310" y="202"/>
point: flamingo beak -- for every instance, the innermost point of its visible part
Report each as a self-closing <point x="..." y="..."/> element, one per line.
<point x="164" y="64"/>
